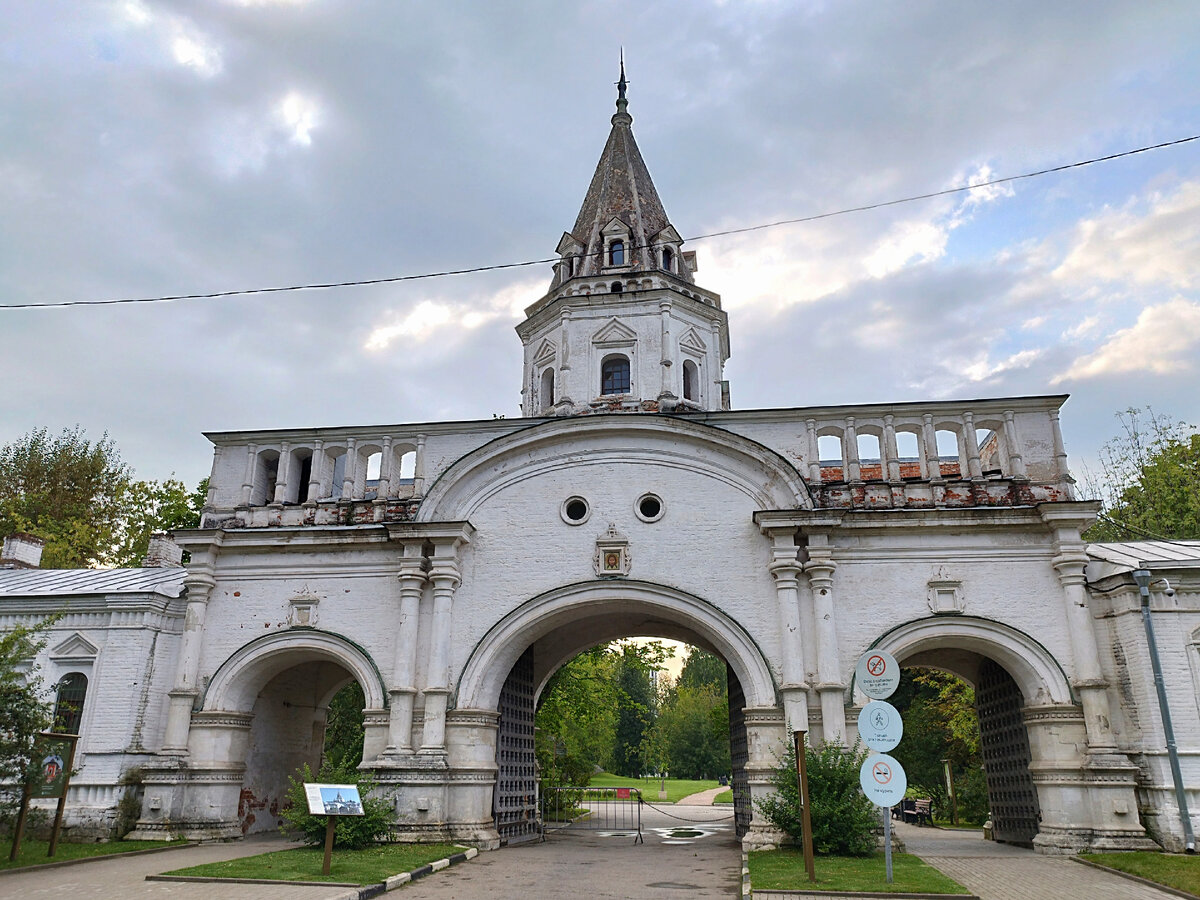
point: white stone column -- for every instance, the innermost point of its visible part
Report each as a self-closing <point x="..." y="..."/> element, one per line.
<point x="351" y="471"/>
<point x="1060" y="456"/>
<point x="445" y="576"/>
<point x="403" y="690"/>
<point x="785" y="568"/>
<point x="814" y="452"/>
<point x="564" y="352"/>
<point x="316" y="476"/>
<point x="199" y="582"/>
<point x="667" y="358"/>
<point x="974" y="468"/>
<point x="248" y="477"/>
<point x="889" y="450"/>
<point x="1013" y="442"/>
<point x="419" y="468"/>
<point x="933" y="466"/>
<point x="282" y="473"/>
<point x="853" y="471"/>
<point x="820" y="568"/>
<point x="385" y="470"/>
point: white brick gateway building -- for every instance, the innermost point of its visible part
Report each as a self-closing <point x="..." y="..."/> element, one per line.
<point x="451" y="567"/>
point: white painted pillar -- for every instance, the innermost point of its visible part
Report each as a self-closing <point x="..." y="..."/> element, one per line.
<point x="1012" y="440"/>
<point x="403" y="691"/>
<point x="351" y="471"/>
<point x="974" y="469"/>
<point x="445" y="576"/>
<point x="248" y="478"/>
<point x="316" y="475"/>
<point x="853" y="470"/>
<point x="564" y="346"/>
<point x="384" y="490"/>
<point x="1060" y="456"/>
<point x="814" y="452"/>
<point x="419" y="468"/>
<point x="199" y="582"/>
<point x="889" y="451"/>
<point x="820" y="568"/>
<point x="282" y="472"/>
<point x="785" y="568"/>
<point x="933" y="465"/>
<point x="667" y="358"/>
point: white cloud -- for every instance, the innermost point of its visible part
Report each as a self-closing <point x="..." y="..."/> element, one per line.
<point x="1085" y="328"/>
<point x="430" y="316"/>
<point x="985" y="193"/>
<point x="1163" y="341"/>
<point x="193" y="52"/>
<point x="983" y="369"/>
<point x="188" y="46"/>
<point x="1159" y="246"/>
<point x="922" y="241"/>
<point x="299" y="116"/>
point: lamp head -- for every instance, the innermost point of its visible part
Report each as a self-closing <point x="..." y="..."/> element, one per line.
<point x="1142" y="577"/>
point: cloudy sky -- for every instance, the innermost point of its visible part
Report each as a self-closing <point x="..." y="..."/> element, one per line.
<point x="163" y="148"/>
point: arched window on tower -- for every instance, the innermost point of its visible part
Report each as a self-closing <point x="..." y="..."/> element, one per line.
<point x="68" y="704"/>
<point x="616" y="253"/>
<point x="668" y="259"/>
<point x="691" y="381"/>
<point x="546" y="394"/>
<point x="614" y="375"/>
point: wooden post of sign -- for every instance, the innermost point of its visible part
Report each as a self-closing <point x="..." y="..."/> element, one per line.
<point x="950" y="791"/>
<point x="805" y="813"/>
<point x="329" y="820"/>
<point x="62" y="801"/>
<point x="20" y="826"/>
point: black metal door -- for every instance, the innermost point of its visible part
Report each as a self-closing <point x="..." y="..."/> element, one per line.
<point x="1005" y="744"/>
<point x="515" y="801"/>
<point x="739" y="754"/>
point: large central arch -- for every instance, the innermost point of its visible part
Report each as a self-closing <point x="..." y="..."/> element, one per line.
<point x="585" y="614"/>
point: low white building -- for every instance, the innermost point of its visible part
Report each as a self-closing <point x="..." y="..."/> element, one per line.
<point x="451" y="567"/>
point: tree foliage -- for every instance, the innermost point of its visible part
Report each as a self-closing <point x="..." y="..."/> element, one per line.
<point x="23" y="710"/>
<point x="692" y="729"/>
<point x="344" y="729"/>
<point x="81" y="499"/>
<point x="941" y="724"/>
<point x="1149" y="480"/>
<point x="635" y="712"/>
<point x="843" y="819"/>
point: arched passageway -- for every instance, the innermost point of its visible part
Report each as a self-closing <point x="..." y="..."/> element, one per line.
<point x="514" y="662"/>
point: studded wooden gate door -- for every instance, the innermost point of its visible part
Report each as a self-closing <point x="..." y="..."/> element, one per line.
<point x="1006" y="756"/>
<point x="739" y="754"/>
<point x="515" y="801"/>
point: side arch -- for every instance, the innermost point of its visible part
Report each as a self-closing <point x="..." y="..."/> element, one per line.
<point x="1038" y="674"/>
<point x="238" y="680"/>
<point x="672" y="610"/>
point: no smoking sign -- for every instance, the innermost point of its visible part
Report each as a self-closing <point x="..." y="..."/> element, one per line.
<point x="883" y="780"/>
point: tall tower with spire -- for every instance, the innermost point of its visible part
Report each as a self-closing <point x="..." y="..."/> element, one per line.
<point x="624" y="327"/>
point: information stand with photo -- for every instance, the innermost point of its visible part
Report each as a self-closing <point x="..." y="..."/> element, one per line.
<point x="48" y="779"/>
<point x="331" y="801"/>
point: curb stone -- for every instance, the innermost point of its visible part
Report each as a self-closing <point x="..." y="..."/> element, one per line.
<point x="359" y="892"/>
<point x="1138" y="878"/>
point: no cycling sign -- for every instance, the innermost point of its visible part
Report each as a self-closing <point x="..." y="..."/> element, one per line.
<point x="877" y="674"/>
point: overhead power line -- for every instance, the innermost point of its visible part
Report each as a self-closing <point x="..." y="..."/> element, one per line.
<point x="242" y="292"/>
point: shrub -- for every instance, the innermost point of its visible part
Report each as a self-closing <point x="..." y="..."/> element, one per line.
<point x="350" y="832"/>
<point x="843" y="820"/>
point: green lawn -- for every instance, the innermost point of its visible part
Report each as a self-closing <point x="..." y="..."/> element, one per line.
<point x="368" y="866"/>
<point x="33" y="853"/>
<point x="1173" y="870"/>
<point x="677" y="788"/>
<point x="784" y="870"/>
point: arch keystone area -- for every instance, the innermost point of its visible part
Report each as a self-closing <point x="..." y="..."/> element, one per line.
<point x="238" y="680"/>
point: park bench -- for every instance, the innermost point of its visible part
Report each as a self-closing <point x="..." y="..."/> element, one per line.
<point x="919" y="812"/>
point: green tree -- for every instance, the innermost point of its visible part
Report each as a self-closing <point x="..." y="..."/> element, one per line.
<point x="81" y="499"/>
<point x="576" y="718"/>
<point x="1149" y="480"/>
<point x="635" y="712"/>
<point x="697" y="745"/>
<point x="344" y="730"/>
<point x="703" y="669"/>
<point x="23" y="711"/>
<point x="941" y="724"/>
<point x="843" y="819"/>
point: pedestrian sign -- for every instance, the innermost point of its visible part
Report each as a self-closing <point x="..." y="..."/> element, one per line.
<point x="880" y="726"/>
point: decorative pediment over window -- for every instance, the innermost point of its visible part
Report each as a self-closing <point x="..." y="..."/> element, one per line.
<point x="691" y="340"/>
<point x="546" y="352"/>
<point x="614" y="332"/>
<point x="667" y="236"/>
<point x="74" y="649"/>
<point x="568" y="244"/>
<point x="615" y="228"/>
<point x="945" y="593"/>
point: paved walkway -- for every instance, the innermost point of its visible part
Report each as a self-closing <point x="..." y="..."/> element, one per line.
<point x="702" y="798"/>
<point x="1001" y="872"/>
<point x="124" y="877"/>
<point x="679" y="859"/>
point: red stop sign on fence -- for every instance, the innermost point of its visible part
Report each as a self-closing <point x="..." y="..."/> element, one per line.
<point x="622" y="793"/>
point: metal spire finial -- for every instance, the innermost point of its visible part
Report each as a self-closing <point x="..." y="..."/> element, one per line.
<point x="622" y="103"/>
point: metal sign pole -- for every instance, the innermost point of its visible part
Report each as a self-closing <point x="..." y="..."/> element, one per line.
<point x="805" y="813"/>
<point x="887" y="842"/>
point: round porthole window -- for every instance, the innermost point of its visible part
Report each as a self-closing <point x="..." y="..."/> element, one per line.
<point x="575" y="511"/>
<point x="649" y="507"/>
